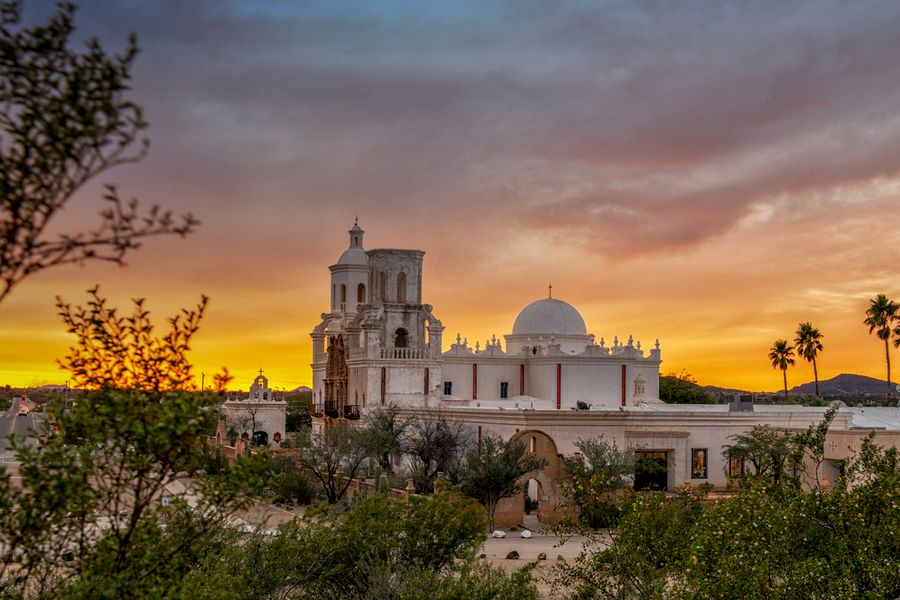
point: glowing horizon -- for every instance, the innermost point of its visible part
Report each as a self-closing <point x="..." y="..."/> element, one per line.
<point x="707" y="177"/>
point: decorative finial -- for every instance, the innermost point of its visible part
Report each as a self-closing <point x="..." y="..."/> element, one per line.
<point x="602" y="342"/>
<point x="550" y="290"/>
<point x="630" y="341"/>
<point x="657" y="343"/>
<point x="356" y="221"/>
<point x="466" y="342"/>
<point x="477" y="346"/>
<point x="458" y="339"/>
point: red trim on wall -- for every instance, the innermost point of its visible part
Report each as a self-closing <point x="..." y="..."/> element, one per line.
<point x="474" y="382"/>
<point x="623" y="384"/>
<point x="383" y="384"/>
<point x="521" y="380"/>
<point x="558" y="386"/>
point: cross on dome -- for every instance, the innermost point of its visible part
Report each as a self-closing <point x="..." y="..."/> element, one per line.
<point x="550" y="290"/>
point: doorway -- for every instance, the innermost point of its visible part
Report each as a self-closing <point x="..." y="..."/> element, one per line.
<point x="651" y="470"/>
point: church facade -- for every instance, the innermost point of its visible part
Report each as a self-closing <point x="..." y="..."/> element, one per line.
<point x="380" y="345"/>
<point x="548" y="383"/>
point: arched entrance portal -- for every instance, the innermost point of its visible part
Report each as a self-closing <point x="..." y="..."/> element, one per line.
<point x="551" y="503"/>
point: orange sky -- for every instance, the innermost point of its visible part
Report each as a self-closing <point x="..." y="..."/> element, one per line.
<point x="707" y="177"/>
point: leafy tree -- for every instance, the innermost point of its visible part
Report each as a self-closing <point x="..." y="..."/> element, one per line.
<point x="436" y="444"/>
<point x="379" y="548"/>
<point x="386" y="435"/>
<point x="682" y="388"/>
<point x="297" y="415"/>
<point x="808" y="344"/>
<point x="291" y="484"/>
<point x="87" y="520"/>
<point x="493" y="470"/>
<point x="643" y="557"/>
<point x="121" y="352"/>
<point x="881" y="317"/>
<point x="773" y="454"/>
<point x="595" y="478"/>
<point x="782" y="356"/>
<point x="334" y="458"/>
<point x="65" y="119"/>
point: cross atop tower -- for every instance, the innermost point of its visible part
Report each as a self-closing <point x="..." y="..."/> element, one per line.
<point x="550" y="290"/>
<point x="260" y="371"/>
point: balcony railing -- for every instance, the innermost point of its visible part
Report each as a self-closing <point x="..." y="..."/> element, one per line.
<point x="405" y="353"/>
<point x="330" y="409"/>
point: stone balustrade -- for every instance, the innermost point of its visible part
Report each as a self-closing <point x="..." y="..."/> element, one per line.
<point x="404" y="353"/>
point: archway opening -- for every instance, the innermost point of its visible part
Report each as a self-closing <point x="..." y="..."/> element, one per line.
<point x="534" y="496"/>
<point x="260" y="438"/>
<point x="401" y="338"/>
<point x="401" y="287"/>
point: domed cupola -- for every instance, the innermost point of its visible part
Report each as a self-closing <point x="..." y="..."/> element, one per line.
<point x="549" y="316"/>
<point x="355" y="254"/>
<point x="350" y="275"/>
<point x="549" y="321"/>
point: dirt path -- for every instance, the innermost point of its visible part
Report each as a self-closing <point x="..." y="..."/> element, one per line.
<point x="496" y="551"/>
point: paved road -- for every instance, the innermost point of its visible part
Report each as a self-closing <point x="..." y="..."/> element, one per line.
<point x="11" y="422"/>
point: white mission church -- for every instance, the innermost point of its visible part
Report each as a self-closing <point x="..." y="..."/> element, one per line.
<point x="379" y="345"/>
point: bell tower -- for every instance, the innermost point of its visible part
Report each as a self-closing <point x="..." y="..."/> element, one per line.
<point x="350" y="276"/>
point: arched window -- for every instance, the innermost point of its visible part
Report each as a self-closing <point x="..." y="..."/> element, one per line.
<point x="333" y="296"/>
<point x="401" y="287"/>
<point x="361" y="293"/>
<point x="383" y="286"/>
<point x="401" y="338"/>
<point x="343" y="294"/>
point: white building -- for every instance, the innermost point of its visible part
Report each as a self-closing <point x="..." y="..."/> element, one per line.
<point x="260" y="417"/>
<point x="380" y="345"/>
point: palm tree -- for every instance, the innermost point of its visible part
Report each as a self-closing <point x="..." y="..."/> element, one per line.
<point x="809" y="344"/>
<point x="881" y="316"/>
<point x="782" y="356"/>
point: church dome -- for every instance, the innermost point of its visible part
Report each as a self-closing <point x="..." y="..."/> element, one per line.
<point x="354" y="256"/>
<point x="549" y="316"/>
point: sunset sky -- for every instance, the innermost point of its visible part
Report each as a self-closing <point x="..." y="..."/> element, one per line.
<point x="705" y="173"/>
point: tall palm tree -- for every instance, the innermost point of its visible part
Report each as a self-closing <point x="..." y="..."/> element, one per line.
<point x="782" y="356"/>
<point x="881" y="316"/>
<point x="809" y="344"/>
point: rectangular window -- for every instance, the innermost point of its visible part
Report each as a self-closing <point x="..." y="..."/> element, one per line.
<point x="448" y="388"/>
<point x="504" y="389"/>
<point x="735" y="467"/>
<point x="698" y="463"/>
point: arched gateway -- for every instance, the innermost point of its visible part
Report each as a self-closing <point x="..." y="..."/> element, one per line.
<point x="551" y="501"/>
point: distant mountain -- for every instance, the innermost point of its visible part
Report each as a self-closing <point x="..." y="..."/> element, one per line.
<point x="300" y="389"/>
<point x="845" y="384"/>
<point x="720" y="391"/>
